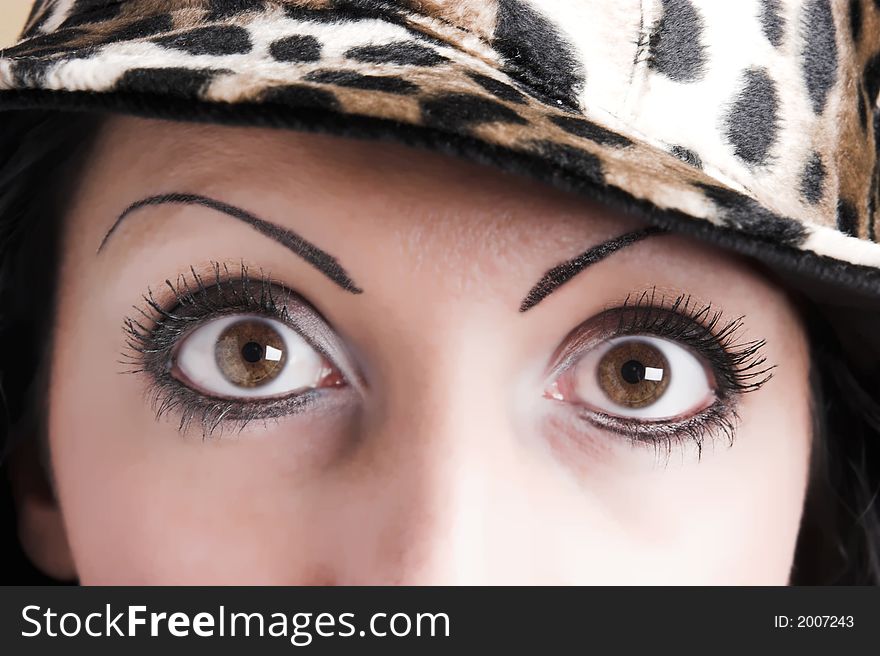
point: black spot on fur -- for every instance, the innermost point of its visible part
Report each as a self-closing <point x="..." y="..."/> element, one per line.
<point x="855" y="19"/>
<point x="570" y="161"/>
<point x="387" y="83"/>
<point x="871" y="78"/>
<point x="348" y="10"/>
<point x="877" y="132"/>
<point x="403" y="53"/>
<point x="687" y="155"/>
<point x="497" y="88"/>
<point x="66" y="55"/>
<point x="872" y="201"/>
<point x="874" y="197"/>
<point x="297" y="48"/>
<point x="45" y="44"/>
<point x="310" y="14"/>
<point x="91" y="11"/>
<point x="772" y="21"/>
<point x="142" y="28"/>
<point x="751" y="123"/>
<point x="79" y="53"/>
<point x="220" y="9"/>
<point x="185" y="82"/>
<point x="301" y="95"/>
<point x="459" y="111"/>
<point x="29" y="72"/>
<point x="675" y="45"/>
<point x="813" y="179"/>
<point x="819" y="58"/>
<point x="581" y="127"/>
<point x="211" y="40"/>
<point x="847" y="217"/>
<point x="862" y="108"/>
<point x="750" y="217"/>
<point x="536" y="55"/>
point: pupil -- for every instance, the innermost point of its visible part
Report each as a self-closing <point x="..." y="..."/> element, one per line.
<point x="252" y="352"/>
<point x="633" y="372"/>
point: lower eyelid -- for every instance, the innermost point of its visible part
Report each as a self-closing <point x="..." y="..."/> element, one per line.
<point x="600" y="433"/>
<point x="219" y="417"/>
<point x="721" y="417"/>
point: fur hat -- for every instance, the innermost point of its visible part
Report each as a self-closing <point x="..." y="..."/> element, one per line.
<point x="752" y="124"/>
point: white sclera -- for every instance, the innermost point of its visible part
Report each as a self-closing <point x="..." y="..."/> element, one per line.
<point x="689" y="389"/>
<point x="196" y="360"/>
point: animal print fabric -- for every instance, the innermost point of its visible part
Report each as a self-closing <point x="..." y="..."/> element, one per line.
<point x="754" y="123"/>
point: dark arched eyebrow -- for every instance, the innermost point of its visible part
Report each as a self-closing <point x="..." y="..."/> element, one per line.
<point x="562" y="273"/>
<point x="318" y="258"/>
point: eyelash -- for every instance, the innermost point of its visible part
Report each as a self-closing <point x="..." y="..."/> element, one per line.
<point x="739" y="366"/>
<point x="193" y="303"/>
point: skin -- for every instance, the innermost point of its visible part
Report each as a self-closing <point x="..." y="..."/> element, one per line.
<point x="447" y="463"/>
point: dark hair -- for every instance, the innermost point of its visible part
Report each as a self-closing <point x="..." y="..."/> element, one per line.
<point x="839" y="542"/>
<point x="40" y="154"/>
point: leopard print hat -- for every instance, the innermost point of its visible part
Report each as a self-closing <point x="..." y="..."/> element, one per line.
<point x="753" y="124"/>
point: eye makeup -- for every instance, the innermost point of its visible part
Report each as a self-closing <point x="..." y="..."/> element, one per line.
<point x="161" y="326"/>
<point x="733" y="365"/>
<point x="673" y="332"/>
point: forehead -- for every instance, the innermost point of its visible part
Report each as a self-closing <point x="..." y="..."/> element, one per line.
<point x="414" y="197"/>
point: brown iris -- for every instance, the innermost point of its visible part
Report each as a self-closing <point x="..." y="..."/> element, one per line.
<point x="250" y="353"/>
<point x="633" y="374"/>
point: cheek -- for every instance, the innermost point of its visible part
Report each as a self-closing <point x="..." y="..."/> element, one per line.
<point x="773" y="453"/>
<point x="652" y="517"/>
<point x="734" y="517"/>
<point x="145" y="505"/>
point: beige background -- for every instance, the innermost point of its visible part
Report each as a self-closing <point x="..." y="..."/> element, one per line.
<point x="12" y="17"/>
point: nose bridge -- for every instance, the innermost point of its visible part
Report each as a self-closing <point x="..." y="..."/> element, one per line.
<point x="441" y="453"/>
<point x="448" y="377"/>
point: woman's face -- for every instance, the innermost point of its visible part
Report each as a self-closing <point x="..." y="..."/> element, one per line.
<point x="349" y="391"/>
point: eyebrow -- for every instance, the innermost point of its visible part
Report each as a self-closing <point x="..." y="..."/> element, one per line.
<point x="562" y="273"/>
<point x="318" y="258"/>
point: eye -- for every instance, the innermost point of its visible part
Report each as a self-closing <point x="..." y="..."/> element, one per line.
<point x="640" y="377"/>
<point x="246" y="356"/>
